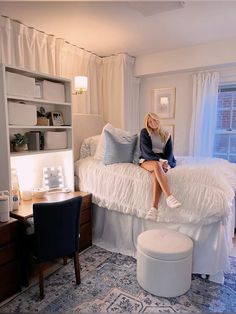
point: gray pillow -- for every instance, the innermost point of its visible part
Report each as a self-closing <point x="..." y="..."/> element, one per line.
<point x="137" y="152"/>
<point x="119" y="149"/>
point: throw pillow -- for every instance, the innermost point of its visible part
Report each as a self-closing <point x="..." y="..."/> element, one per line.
<point x="88" y="146"/>
<point x="99" y="154"/>
<point x="119" y="149"/>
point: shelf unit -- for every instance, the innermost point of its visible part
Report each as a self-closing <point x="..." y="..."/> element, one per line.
<point x="30" y="163"/>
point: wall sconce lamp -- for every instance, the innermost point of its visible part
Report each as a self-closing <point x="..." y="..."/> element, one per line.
<point x="80" y="84"/>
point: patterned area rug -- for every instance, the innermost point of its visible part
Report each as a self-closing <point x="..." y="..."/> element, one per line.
<point x="109" y="284"/>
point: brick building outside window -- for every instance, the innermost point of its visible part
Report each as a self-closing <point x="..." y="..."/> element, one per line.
<point x="225" y="137"/>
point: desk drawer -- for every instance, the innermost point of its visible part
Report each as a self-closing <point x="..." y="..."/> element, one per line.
<point x="9" y="281"/>
<point x="85" y="216"/>
<point x="85" y="236"/>
<point x="8" y="253"/>
<point x="86" y="201"/>
<point x="8" y="233"/>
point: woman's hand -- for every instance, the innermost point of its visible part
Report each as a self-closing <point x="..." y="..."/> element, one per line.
<point x="165" y="165"/>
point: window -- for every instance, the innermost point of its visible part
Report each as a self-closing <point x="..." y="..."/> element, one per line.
<point x="225" y="137"/>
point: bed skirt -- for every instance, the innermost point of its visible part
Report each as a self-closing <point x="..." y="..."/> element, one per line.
<point x="118" y="232"/>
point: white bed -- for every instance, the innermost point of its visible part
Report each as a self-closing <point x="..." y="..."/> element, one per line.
<point x="121" y="196"/>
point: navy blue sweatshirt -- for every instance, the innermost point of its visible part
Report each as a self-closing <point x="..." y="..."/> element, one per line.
<point x="148" y="154"/>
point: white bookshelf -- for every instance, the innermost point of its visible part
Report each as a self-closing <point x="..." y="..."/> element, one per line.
<point x="30" y="163"/>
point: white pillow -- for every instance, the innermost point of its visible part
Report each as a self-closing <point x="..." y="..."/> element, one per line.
<point x="88" y="146"/>
<point x="99" y="154"/>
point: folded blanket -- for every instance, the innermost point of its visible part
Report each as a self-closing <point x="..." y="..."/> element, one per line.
<point x="205" y="188"/>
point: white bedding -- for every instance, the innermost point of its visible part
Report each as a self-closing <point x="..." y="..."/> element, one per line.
<point x="205" y="187"/>
<point x="117" y="232"/>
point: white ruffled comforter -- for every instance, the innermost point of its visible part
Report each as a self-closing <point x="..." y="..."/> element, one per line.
<point x="205" y="188"/>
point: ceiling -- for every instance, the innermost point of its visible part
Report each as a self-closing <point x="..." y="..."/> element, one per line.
<point x="137" y="28"/>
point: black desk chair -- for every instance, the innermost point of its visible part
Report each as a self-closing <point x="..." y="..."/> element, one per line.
<point x="57" y="233"/>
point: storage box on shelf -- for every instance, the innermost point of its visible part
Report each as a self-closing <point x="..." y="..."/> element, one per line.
<point x="22" y="113"/>
<point x="18" y="84"/>
<point x="19" y="103"/>
<point x="53" y="91"/>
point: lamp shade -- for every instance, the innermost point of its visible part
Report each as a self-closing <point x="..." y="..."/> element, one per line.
<point x="80" y="84"/>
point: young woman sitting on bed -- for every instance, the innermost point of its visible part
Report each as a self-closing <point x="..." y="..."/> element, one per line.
<point x="157" y="157"/>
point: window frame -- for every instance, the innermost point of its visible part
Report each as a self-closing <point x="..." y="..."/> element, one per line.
<point x="224" y="88"/>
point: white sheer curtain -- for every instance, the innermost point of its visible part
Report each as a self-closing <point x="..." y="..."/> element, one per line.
<point x="120" y="92"/>
<point x="131" y="85"/>
<point x="203" y="123"/>
<point x="112" y="88"/>
<point x="25" y="47"/>
<point x="74" y="61"/>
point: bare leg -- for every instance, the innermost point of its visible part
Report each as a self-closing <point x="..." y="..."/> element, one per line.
<point x="160" y="180"/>
<point x="155" y="167"/>
<point x="156" y="191"/>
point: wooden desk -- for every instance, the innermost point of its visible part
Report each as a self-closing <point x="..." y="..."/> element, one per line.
<point x="9" y="258"/>
<point x="25" y="211"/>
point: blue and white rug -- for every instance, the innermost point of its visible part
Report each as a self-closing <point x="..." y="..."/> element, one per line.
<point x="109" y="284"/>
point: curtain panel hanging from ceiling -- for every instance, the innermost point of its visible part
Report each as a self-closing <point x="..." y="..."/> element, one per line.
<point x="120" y="92"/>
<point x="26" y="47"/>
<point x="203" y="122"/>
<point x="113" y="90"/>
<point x="76" y="61"/>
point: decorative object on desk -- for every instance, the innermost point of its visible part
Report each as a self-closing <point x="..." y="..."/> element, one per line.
<point x="66" y="190"/>
<point x="53" y="177"/>
<point x="164" y="102"/>
<point x="80" y="84"/>
<point x="19" y="142"/>
<point x="26" y="195"/>
<point x="57" y="118"/>
<point x="42" y="117"/>
<point x="4" y="206"/>
<point x="39" y="192"/>
<point x="171" y="129"/>
<point x="15" y="191"/>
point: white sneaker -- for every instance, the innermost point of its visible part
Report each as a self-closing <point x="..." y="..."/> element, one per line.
<point x="151" y="214"/>
<point x="172" y="202"/>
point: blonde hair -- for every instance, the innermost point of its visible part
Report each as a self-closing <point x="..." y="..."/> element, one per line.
<point x="164" y="134"/>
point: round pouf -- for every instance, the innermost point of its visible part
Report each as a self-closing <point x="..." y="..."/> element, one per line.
<point x="164" y="262"/>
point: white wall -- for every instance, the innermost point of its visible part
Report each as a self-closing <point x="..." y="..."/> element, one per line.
<point x="183" y="109"/>
<point x="187" y="58"/>
<point x="175" y="69"/>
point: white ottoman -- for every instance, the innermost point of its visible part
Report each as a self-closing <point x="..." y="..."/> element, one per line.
<point x="164" y="262"/>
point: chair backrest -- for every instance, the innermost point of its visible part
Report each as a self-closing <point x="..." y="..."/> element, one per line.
<point x="57" y="228"/>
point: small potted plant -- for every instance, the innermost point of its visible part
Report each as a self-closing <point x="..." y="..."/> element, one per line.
<point x="19" y="142"/>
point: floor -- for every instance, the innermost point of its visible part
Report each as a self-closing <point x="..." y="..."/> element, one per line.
<point x="109" y="285"/>
<point x="56" y="265"/>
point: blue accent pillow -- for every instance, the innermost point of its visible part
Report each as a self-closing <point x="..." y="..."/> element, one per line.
<point x="137" y="152"/>
<point x="119" y="149"/>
